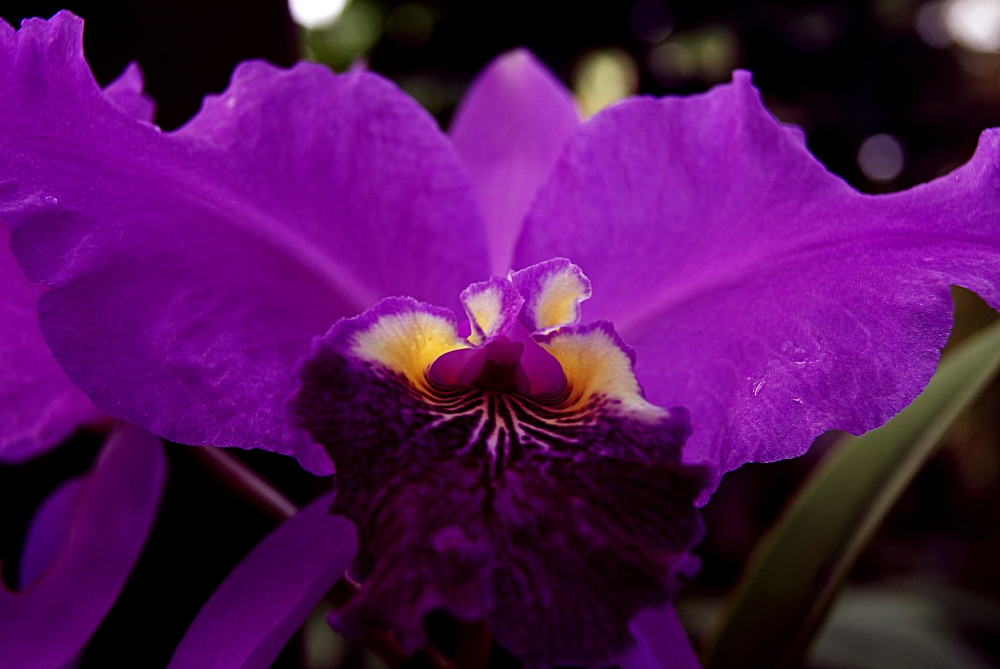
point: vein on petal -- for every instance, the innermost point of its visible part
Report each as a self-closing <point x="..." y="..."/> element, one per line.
<point x="673" y="293"/>
<point x="259" y="225"/>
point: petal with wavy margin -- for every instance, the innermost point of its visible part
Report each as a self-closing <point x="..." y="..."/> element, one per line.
<point x="759" y="290"/>
<point x="216" y="252"/>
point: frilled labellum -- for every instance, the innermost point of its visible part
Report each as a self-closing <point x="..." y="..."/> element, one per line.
<point x="514" y="474"/>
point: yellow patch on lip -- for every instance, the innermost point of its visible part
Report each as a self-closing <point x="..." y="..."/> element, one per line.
<point x="484" y="308"/>
<point x="594" y="364"/>
<point x="407" y="343"/>
<point x="558" y="300"/>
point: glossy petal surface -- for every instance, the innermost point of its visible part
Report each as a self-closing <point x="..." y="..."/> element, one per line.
<point x="125" y="92"/>
<point x="759" y="290"/>
<point x="509" y="131"/>
<point x="45" y="625"/>
<point x="39" y="406"/>
<point x="261" y="604"/>
<point x="219" y="250"/>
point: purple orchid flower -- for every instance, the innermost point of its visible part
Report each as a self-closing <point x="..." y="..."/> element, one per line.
<point x="514" y="471"/>
<point x="87" y="535"/>
<point x="39" y="406"/>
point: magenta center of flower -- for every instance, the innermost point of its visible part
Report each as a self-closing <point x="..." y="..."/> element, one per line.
<point x="506" y="315"/>
<point x="510" y="363"/>
<point x="502" y="370"/>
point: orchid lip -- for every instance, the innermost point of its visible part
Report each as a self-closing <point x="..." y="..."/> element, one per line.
<point x="467" y="462"/>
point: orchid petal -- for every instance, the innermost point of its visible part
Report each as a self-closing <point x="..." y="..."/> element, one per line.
<point x="262" y="602"/>
<point x="509" y="131"/>
<point x="45" y="625"/>
<point x="39" y="406"/>
<point x="49" y="528"/>
<point x="125" y="92"/>
<point x="492" y="307"/>
<point x="553" y="291"/>
<point x="759" y="290"/>
<point x="661" y="642"/>
<point x="218" y="251"/>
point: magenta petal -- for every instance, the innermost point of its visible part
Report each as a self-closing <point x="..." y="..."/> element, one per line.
<point x="215" y="253"/>
<point x="759" y="290"/>
<point x="553" y="291"/>
<point x="661" y="642"/>
<point x="509" y="131"/>
<point x="125" y="92"/>
<point x="492" y="307"/>
<point x="311" y="456"/>
<point x="39" y="406"/>
<point x="48" y="531"/>
<point x="262" y="602"/>
<point x="45" y="625"/>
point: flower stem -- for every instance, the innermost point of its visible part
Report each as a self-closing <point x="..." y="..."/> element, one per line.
<point x="243" y="481"/>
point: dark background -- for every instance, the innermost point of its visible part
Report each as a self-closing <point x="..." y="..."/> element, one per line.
<point x="842" y="70"/>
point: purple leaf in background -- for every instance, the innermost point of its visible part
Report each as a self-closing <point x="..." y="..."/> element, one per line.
<point x="46" y="536"/>
<point x="270" y="593"/>
<point x="46" y="624"/>
<point x="48" y="530"/>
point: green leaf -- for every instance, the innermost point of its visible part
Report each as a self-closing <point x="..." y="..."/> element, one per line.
<point x="799" y="566"/>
